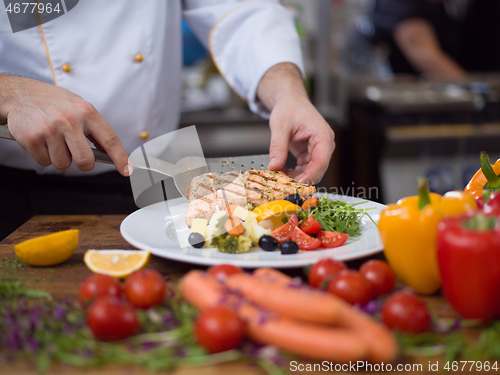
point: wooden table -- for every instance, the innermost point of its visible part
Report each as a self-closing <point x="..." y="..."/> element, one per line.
<point x="102" y="232"/>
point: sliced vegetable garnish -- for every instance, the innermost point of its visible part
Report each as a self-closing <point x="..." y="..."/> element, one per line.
<point x="284" y="233"/>
<point x="304" y="241"/>
<point x="337" y="216"/>
<point x="310" y="225"/>
<point x="330" y="240"/>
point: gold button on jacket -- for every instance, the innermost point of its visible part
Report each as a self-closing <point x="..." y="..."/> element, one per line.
<point x="139" y="57"/>
<point x="66" y="68"/>
<point x="144" y="135"/>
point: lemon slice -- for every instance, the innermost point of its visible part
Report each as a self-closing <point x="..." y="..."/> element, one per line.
<point x="276" y="211"/>
<point x="48" y="250"/>
<point x="117" y="263"/>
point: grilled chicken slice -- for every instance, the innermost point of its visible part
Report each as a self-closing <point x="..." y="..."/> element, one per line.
<point x="265" y="186"/>
<point x="212" y="192"/>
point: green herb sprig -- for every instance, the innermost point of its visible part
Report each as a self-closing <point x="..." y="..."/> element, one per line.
<point x="338" y="216"/>
<point x="457" y="344"/>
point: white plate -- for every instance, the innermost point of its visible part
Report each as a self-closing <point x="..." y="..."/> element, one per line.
<point x="150" y="228"/>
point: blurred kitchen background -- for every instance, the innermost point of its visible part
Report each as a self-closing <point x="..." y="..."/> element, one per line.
<point x="389" y="128"/>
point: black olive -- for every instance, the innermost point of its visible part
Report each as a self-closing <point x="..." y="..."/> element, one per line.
<point x="295" y="198"/>
<point x="268" y="243"/>
<point x="195" y="239"/>
<point x="289" y="247"/>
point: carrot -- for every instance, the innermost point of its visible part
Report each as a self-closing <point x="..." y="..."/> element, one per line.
<point x="201" y="290"/>
<point x="382" y="346"/>
<point x="310" y="203"/>
<point x="294" y="301"/>
<point x="306" y="339"/>
<point x="230" y="209"/>
<point x="271" y="275"/>
<point x="234" y="227"/>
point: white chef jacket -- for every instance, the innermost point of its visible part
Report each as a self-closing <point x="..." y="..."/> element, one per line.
<point x="124" y="57"/>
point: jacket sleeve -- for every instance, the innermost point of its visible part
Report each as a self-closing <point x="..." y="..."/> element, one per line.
<point x="245" y="39"/>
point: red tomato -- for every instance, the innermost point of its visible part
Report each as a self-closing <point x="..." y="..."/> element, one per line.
<point x="406" y="312"/>
<point x="98" y="285"/>
<point x="219" y="329"/>
<point x="110" y="319"/>
<point x="331" y="239"/>
<point x="380" y="275"/>
<point x="323" y="269"/>
<point x="284" y="233"/>
<point x="352" y="287"/>
<point x="221" y="271"/>
<point x="310" y="225"/>
<point x="304" y="241"/>
<point x="145" y="288"/>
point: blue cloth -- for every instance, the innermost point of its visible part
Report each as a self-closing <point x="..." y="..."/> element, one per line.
<point x="193" y="50"/>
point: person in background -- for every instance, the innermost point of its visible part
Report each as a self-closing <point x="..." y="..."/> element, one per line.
<point x="443" y="39"/>
<point x="108" y="72"/>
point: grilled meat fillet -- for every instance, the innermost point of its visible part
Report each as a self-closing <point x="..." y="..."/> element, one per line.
<point x="211" y="192"/>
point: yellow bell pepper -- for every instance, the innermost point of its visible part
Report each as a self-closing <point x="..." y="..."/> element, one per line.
<point x="409" y="231"/>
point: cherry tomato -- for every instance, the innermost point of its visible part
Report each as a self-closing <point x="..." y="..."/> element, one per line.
<point x="221" y="271"/>
<point x="380" y="275"/>
<point x="323" y="269"/>
<point x="284" y="233"/>
<point x="145" y="288"/>
<point x="219" y="329"/>
<point x="352" y="287"/>
<point x="98" y="285"/>
<point x="406" y="312"/>
<point x="310" y="225"/>
<point x="111" y="318"/>
<point x="331" y="239"/>
<point x="304" y="241"/>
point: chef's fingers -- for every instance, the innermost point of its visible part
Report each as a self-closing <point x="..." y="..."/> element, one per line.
<point x="38" y="150"/>
<point x="80" y="151"/>
<point x="60" y="156"/>
<point x="293" y="173"/>
<point x="100" y="130"/>
<point x="94" y="142"/>
<point x="320" y="154"/>
<point x="278" y="150"/>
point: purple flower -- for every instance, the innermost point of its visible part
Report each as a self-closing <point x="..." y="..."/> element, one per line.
<point x="372" y="307"/>
<point x="34" y="319"/>
<point x="14" y="341"/>
<point x="59" y="312"/>
<point x="457" y="324"/>
<point x="148" y="345"/>
<point x="33" y="344"/>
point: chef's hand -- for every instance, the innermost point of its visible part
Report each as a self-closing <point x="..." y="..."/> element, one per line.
<point x="295" y="125"/>
<point x="53" y="125"/>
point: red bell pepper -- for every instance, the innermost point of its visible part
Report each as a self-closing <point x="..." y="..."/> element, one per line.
<point x="492" y="205"/>
<point x="468" y="250"/>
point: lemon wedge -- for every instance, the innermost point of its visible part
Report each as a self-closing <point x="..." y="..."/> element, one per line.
<point x="48" y="250"/>
<point x="276" y="211"/>
<point x="117" y="263"/>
